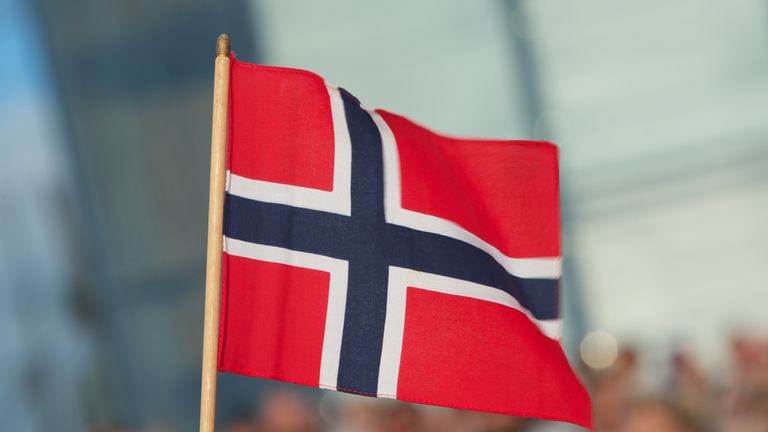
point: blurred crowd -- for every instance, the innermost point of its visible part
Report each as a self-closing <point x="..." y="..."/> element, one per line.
<point x="688" y="399"/>
<point x="678" y="397"/>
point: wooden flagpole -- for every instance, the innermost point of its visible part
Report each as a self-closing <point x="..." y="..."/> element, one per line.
<point x="215" y="235"/>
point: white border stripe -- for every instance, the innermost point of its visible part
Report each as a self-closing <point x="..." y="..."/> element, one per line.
<point x="546" y="267"/>
<point x="335" y="201"/>
<point x="342" y="162"/>
<point x="399" y="281"/>
<point x="458" y="287"/>
<point x="394" y="326"/>
<point x="337" y="294"/>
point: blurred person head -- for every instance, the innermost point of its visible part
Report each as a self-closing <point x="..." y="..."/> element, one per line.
<point x="656" y="415"/>
<point x="749" y="352"/>
<point x="745" y="410"/>
<point x="362" y="414"/>
<point x="285" y="411"/>
<point x="688" y="374"/>
<point x="241" y="426"/>
<point x="356" y="414"/>
<point x="690" y="386"/>
<point x="744" y="404"/>
<point x="501" y="423"/>
<point x="400" y="417"/>
<point x="438" y="419"/>
<point x="612" y="388"/>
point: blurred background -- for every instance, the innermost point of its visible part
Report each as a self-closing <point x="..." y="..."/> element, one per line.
<point x="660" y="109"/>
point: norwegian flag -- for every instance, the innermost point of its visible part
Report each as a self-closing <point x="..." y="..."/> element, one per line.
<point x="367" y="254"/>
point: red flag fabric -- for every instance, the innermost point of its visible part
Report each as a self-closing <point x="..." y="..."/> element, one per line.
<point x="367" y="254"/>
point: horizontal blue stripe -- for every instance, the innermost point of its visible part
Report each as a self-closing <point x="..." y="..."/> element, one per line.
<point x="329" y="234"/>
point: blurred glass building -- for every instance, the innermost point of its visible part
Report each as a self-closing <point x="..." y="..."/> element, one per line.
<point x="132" y="81"/>
<point x="659" y="108"/>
